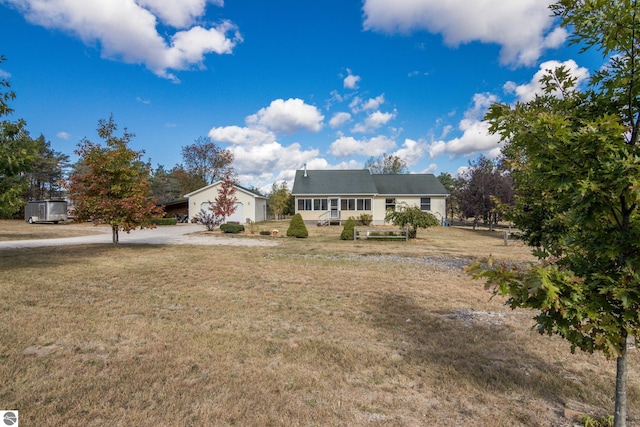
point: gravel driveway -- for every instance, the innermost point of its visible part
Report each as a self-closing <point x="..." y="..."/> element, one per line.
<point x="180" y="234"/>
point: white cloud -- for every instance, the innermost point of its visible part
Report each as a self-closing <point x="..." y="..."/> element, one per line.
<point x="475" y="136"/>
<point x="287" y="117"/>
<point x="63" y="135"/>
<point x="527" y="92"/>
<point x="178" y="14"/>
<point x="237" y="135"/>
<point x="523" y="28"/>
<point x="374" y="121"/>
<point x="358" y="104"/>
<point x="261" y="165"/>
<point x="432" y="168"/>
<point x="348" y="145"/>
<point x="411" y="151"/>
<point x="4" y="74"/>
<point x="481" y="103"/>
<point x="351" y="81"/>
<point x="475" y="139"/>
<point x="126" y="30"/>
<point x="339" y="119"/>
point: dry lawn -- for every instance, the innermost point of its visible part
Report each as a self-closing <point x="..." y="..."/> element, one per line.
<point x="313" y="332"/>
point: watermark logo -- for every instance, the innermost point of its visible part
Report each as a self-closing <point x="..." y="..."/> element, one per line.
<point x="9" y="418"/>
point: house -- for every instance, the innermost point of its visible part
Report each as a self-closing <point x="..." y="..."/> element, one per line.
<point x="249" y="205"/>
<point x="326" y="196"/>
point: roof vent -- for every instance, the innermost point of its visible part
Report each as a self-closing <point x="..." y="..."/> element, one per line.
<point x="305" y="170"/>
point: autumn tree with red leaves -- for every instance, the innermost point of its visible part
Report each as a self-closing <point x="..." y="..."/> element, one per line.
<point x="111" y="183"/>
<point x="225" y="203"/>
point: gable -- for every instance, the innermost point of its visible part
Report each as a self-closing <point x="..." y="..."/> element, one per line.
<point x="213" y="187"/>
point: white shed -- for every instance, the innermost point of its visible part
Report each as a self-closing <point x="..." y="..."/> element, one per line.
<point x="249" y="205"/>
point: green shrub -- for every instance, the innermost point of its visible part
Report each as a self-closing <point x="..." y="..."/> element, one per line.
<point x="297" y="227"/>
<point x="164" y="221"/>
<point x="232" y="228"/>
<point x="347" y="231"/>
<point x="365" y="219"/>
<point x="587" y="421"/>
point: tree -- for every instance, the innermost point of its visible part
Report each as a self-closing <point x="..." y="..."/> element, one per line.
<point x="575" y="161"/>
<point x="279" y="199"/>
<point x="225" y="203"/>
<point x="386" y="164"/>
<point x="453" y="186"/>
<point x="412" y="218"/>
<point x="485" y="187"/>
<point x="17" y="153"/>
<point x="205" y="160"/>
<point x="165" y="185"/>
<point x="46" y="175"/>
<point x="112" y="185"/>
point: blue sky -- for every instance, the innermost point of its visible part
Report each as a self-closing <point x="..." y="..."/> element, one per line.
<point x="281" y="83"/>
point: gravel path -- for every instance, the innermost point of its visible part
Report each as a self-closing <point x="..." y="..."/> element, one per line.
<point x="181" y="234"/>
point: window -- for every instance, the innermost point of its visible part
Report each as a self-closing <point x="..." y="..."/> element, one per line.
<point x="305" y="204"/>
<point x="355" y="204"/>
<point x="312" y="204"/>
<point x="390" y="204"/>
<point x="348" y="204"/>
<point x="364" y="204"/>
<point x="319" y="204"/>
<point x="425" y="203"/>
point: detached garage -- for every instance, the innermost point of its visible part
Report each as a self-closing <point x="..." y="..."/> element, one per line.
<point x="249" y="206"/>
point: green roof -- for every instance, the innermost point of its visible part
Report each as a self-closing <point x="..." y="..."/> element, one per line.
<point x="362" y="182"/>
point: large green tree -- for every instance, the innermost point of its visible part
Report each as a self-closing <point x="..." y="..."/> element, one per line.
<point x="17" y="153"/>
<point x="112" y="184"/>
<point x="575" y="161"/>
<point x="279" y="200"/>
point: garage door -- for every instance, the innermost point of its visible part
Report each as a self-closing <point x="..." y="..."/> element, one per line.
<point x="238" y="215"/>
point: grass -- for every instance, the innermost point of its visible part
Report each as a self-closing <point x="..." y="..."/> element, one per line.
<point x="312" y="332"/>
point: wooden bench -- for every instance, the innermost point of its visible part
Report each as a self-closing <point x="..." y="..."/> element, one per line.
<point x="380" y="233"/>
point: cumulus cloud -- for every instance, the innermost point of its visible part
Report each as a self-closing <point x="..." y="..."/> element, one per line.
<point x="475" y="136"/>
<point x="237" y="135"/>
<point x="126" y="30"/>
<point x="4" y="74"/>
<point x="373" y="121"/>
<point x="528" y="91"/>
<point x="351" y="81"/>
<point x="348" y="146"/>
<point x="63" y="135"/>
<point x="178" y="14"/>
<point x="287" y="117"/>
<point x="411" y="151"/>
<point x="523" y="28"/>
<point x="339" y="120"/>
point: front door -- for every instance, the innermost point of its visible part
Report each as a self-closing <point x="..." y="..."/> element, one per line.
<point x="334" y="207"/>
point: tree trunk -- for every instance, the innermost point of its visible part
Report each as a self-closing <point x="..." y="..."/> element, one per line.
<point x="114" y="235"/>
<point x="620" y="414"/>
